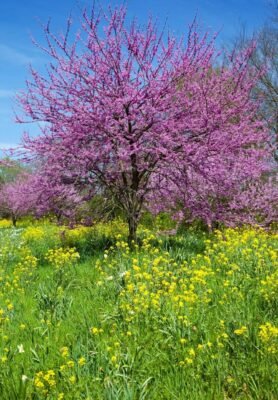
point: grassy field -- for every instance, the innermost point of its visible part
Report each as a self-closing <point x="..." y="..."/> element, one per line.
<point x="191" y="316"/>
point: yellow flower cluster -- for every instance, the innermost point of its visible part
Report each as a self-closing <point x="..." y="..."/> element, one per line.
<point x="61" y="257"/>
<point x="96" y="331"/>
<point x="157" y="281"/>
<point x="14" y="277"/>
<point x="269" y="286"/>
<point x="268" y="334"/>
<point x="24" y="271"/>
<point x="69" y="366"/>
<point x="45" y="381"/>
<point x="241" y="331"/>
<point x="33" y="233"/>
<point x="111" y="228"/>
<point x="5" y="223"/>
<point x="75" y="235"/>
<point x="64" y="351"/>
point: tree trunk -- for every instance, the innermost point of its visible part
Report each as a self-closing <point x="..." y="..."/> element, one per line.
<point x="14" y="221"/>
<point x="58" y="217"/>
<point x="132" y="230"/>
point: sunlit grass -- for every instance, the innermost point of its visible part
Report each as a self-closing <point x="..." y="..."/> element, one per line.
<point x="192" y="316"/>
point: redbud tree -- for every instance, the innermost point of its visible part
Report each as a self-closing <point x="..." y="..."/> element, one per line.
<point x="17" y="199"/>
<point x="128" y="109"/>
<point x="61" y="200"/>
<point x="231" y="199"/>
<point x="34" y="194"/>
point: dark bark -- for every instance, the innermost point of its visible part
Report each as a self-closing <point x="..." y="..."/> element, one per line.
<point x="14" y="220"/>
<point x="132" y="230"/>
<point x="58" y="217"/>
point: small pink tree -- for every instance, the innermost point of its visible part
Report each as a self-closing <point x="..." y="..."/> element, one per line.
<point x="234" y="200"/>
<point x="257" y="202"/>
<point x="17" y="198"/>
<point x="131" y="110"/>
<point x="35" y="195"/>
<point x="60" y="200"/>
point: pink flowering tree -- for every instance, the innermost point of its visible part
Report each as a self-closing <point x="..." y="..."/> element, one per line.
<point x="232" y="200"/>
<point x="33" y="194"/>
<point x="130" y="111"/>
<point x="17" y="199"/>
<point x="258" y="202"/>
<point x="62" y="201"/>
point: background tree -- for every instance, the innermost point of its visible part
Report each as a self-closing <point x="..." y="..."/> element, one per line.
<point x="232" y="200"/>
<point x="9" y="170"/>
<point x="128" y="109"/>
<point x="17" y="199"/>
<point x="265" y="56"/>
<point x="60" y="200"/>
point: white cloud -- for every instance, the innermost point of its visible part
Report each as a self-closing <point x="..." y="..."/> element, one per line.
<point x="7" y="93"/>
<point x="12" y="55"/>
<point x="7" y="146"/>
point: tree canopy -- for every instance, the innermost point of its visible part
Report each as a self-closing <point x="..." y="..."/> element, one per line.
<point x="144" y="115"/>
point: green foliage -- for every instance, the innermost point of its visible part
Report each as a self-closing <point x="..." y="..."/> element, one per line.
<point x="9" y="170"/>
<point x="161" y="222"/>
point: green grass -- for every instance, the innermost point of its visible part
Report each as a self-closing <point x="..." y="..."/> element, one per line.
<point x="181" y="317"/>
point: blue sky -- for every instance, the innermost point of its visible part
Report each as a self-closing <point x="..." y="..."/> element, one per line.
<point x="19" y="19"/>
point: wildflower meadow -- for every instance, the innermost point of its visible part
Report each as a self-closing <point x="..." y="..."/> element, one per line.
<point x="190" y="316"/>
